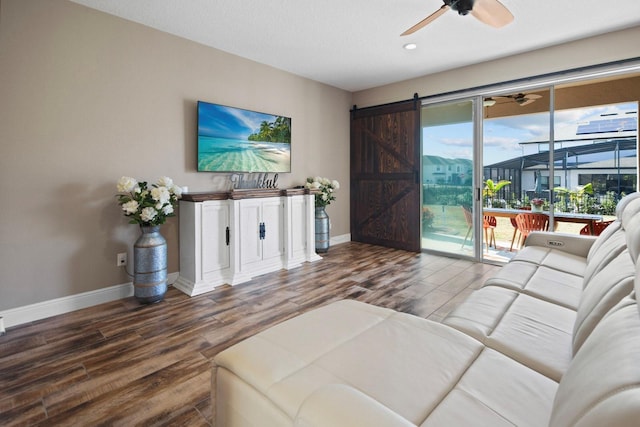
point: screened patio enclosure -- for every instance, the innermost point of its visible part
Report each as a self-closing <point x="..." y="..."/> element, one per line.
<point x="610" y="165"/>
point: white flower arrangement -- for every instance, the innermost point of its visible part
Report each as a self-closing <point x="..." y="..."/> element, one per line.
<point x="326" y="186"/>
<point x="148" y="207"/>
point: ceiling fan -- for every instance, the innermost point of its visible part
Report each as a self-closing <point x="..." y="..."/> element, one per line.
<point x="491" y="12"/>
<point x="521" y="99"/>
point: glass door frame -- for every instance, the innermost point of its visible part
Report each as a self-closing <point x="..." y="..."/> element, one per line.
<point x="478" y="143"/>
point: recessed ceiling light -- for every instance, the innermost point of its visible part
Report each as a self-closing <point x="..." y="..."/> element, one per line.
<point x="410" y="46"/>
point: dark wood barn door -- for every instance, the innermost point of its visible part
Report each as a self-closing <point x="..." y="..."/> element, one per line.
<point x="385" y="175"/>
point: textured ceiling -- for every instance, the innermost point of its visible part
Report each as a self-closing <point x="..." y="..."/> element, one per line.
<point x="356" y="44"/>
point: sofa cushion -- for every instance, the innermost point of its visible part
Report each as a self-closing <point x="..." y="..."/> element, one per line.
<point x="552" y="258"/>
<point x="602" y="385"/>
<point x="632" y="234"/>
<point x="276" y="361"/>
<point x="481" y="312"/>
<point x="338" y="405"/>
<point x="631" y="208"/>
<point x="613" y="282"/>
<point x="536" y="334"/>
<point x="612" y="228"/>
<point x="623" y="202"/>
<point x="496" y="391"/>
<point x="607" y="251"/>
<point x="406" y="363"/>
<point x="529" y="330"/>
<point x="606" y="289"/>
<point x="237" y="403"/>
<point x="540" y="281"/>
<point x="632" y="199"/>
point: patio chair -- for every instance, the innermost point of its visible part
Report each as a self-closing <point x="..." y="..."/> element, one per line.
<point x="598" y="228"/>
<point x="515" y="227"/>
<point x="489" y="225"/>
<point x="468" y="217"/>
<point x="528" y="222"/>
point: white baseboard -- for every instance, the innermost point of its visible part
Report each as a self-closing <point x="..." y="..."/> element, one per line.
<point x="336" y="240"/>
<point x="42" y="310"/>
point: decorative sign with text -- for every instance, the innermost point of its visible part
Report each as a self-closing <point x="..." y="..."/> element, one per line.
<point x="250" y="180"/>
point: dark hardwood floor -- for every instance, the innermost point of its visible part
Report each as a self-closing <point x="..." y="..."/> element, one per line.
<point x="125" y="364"/>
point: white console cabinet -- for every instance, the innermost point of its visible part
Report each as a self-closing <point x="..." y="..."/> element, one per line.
<point x="230" y="238"/>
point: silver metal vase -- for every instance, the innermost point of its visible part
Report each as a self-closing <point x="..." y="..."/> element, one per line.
<point x="322" y="230"/>
<point x="150" y="266"/>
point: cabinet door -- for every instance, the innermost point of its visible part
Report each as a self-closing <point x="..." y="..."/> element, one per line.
<point x="215" y="247"/>
<point x="273" y="219"/>
<point x="250" y="242"/>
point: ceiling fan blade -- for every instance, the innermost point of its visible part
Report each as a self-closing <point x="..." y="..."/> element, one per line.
<point x="526" y="101"/>
<point x="491" y="12"/>
<point x="426" y="20"/>
<point x="532" y="96"/>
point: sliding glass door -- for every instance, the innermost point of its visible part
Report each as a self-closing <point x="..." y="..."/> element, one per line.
<point x="448" y="223"/>
<point x="516" y="144"/>
<point x="596" y="160"/>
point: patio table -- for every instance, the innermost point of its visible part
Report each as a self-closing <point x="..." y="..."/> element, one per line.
<point x="589" y="219"/>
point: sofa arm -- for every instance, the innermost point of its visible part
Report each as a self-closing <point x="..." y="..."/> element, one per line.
<point x="339" y="405"/>
<point x="571" y="243"/>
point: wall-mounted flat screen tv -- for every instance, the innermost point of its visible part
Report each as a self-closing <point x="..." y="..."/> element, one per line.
<point x="236" y="140"/>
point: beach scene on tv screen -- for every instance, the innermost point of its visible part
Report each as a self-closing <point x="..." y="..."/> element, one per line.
<point x="236" y="140"/>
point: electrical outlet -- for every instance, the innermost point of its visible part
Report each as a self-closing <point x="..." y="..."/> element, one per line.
<point x="121" y="260"/>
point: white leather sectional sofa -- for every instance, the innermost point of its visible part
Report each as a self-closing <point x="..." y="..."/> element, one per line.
<point x="552" y="340"/>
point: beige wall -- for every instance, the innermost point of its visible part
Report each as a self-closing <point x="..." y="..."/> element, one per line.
<point x="592" y="51"/>
<point x="86" y="98"/>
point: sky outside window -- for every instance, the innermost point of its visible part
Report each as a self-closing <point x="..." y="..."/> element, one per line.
<point x="502" y="136"/>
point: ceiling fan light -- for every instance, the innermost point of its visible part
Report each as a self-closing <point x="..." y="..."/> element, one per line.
<point x="463" y="7"/>
<point x="489" y="102"/>
<point x="410" y="46"/>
